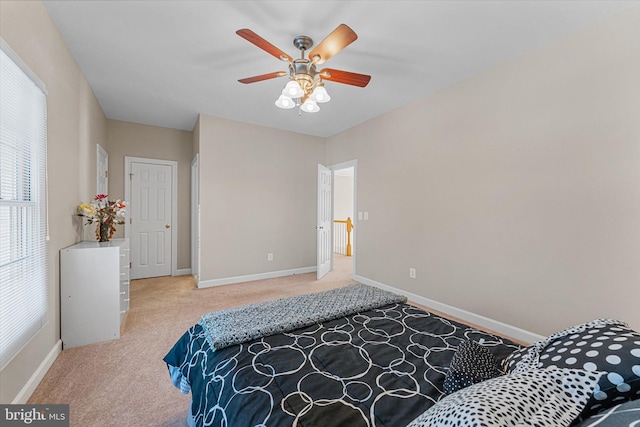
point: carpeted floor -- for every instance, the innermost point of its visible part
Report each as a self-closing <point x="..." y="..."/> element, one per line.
<point x="124" y="382"/>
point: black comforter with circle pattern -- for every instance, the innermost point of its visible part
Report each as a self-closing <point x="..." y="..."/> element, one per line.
<point x="382" y="367"/>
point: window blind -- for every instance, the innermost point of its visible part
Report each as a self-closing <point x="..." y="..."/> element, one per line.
<point x="23" y="209"/>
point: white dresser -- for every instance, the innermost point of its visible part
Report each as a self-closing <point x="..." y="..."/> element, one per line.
<point x="94" y="291"/>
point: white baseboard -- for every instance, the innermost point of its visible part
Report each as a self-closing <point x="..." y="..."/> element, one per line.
<point x="252" y="277"/>
<point x="31" y="385"/>
<point x="482" y="321"/>
<point x="182" y="272"/>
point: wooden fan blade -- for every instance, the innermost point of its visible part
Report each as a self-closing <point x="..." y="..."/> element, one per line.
<point x="340" y="38"/>
<point x="263" y="77"/>
<point x="345" y="77"/>
<point x="252" y="37"/>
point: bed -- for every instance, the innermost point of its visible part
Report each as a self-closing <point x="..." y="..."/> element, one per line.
<point x="361" y="356"/>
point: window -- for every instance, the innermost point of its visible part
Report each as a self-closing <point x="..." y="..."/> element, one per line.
<point x="23" y="209"/>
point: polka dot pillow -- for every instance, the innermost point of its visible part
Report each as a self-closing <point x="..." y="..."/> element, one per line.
<point x="472" y="363"/>
<point x="604" y="345"/>
<point x="539" y="397"/>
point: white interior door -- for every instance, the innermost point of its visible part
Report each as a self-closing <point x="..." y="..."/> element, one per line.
<point x="323" y="228"/>
<point x="195" y="218"/>
<point x="103" y="171"/>
<point x="151" y="219"/>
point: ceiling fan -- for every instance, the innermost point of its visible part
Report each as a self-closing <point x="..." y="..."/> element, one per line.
<point x="306" y="84"/>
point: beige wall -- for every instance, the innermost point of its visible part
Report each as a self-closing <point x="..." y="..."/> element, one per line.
<point x="153" y="142"/>
<point x="258" y="191"/>
<point x="343" y="197"/>
<point x="515" y="194"/>
<point x="92" y="132"/>
<point x="75" y="124"/>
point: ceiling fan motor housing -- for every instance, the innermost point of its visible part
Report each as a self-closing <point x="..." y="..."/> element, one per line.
<point x="304" y="72"/>
<point x="303" y="66"/>
<point x="303" y="43"/>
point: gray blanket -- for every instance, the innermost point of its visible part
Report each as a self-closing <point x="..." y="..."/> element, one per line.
<point x="623" y="415"/>
<point x="237" y="325"/>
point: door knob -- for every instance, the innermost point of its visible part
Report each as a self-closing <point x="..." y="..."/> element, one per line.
<point x="319" y="228"/>
<point x="167" y="226"/>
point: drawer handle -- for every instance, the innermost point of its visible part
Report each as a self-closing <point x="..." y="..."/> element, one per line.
<point x="122" y="293"/>
<point x="126" y="283"/>
<point x="123" y="312"/>
<point x="127" y="299"/>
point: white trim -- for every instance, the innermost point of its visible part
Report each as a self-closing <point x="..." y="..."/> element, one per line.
<point x="195" y="217"/>
<point x="101" y="152"/>
<point x="252" y="277"/>
<point x="33" y="382"/>
<point x="23" y="66"/>
<point x="174" y="201"/>
<point x="484" y="322"/>
<point x="183" y="272"/>
<point x="345" y="165"/>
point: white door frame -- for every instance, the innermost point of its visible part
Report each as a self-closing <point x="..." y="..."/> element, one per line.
<point x="344" y="165"/>
<point x="174" y="201"/>
<point x="195" y="218"/>
<point x="101" y="153"/>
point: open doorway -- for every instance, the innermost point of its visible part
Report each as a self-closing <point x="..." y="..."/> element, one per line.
<point x="344" y="227"/>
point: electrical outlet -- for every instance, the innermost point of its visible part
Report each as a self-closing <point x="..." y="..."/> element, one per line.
<point x="269" y="257"/>
<point x="366" y="216"/>
<point x="412" y="273"/>
<point x="359" y="215"/>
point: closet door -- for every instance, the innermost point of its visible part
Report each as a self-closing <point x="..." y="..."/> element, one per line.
<point x="151" y="222"/>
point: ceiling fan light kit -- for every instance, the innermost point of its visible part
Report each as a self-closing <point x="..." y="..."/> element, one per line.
<point x="305" y="87"/>
<point x="285" y="102"/>
<point x="310" y="106"/>
<point x="293" y="89"/>
<point x="320" y="94"/>
<point x="295" y="93"/>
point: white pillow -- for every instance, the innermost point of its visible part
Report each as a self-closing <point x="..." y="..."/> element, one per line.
<point x="541" y="397"/>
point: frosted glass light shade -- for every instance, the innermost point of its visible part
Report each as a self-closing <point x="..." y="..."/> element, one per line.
<point x="285" y="102"/>
<point x="293" y="89"/>
<point x="320" y="95"/>
<point x="310" y="106"/>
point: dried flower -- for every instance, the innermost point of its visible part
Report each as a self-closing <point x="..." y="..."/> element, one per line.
<point x="105" y="211"/>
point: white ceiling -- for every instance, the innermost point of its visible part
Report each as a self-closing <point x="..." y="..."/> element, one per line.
<point x="163" y="62"/>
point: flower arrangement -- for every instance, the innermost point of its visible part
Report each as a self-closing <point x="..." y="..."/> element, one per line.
<point x="106" y="213"/>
